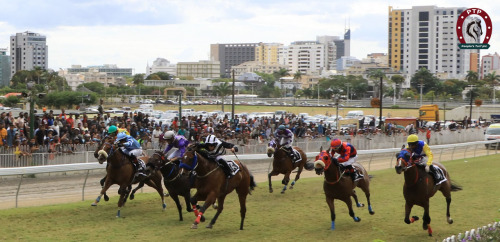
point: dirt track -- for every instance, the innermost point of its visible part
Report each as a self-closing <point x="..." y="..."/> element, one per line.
<point x="57" y="188"/>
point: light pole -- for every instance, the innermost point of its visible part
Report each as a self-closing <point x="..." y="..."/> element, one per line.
<point x="471" y="97"/>
<point x="318" y="93"/>
<point x="348" y="85"/>
<point x="380" y="112"/>
<point x="232" y="102"/>
<point x="421" y="89"/>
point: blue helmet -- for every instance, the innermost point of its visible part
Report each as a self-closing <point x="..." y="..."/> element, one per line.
<point x="281" y="127"/>
<point x="121" y="136"/>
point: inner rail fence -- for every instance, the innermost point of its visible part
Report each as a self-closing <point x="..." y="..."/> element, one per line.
<point x="371" y="159"/>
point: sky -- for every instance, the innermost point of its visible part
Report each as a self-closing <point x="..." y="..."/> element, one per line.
<point x="133" y="33"/>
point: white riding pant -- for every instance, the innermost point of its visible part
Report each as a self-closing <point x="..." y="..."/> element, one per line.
<point x="176" y="153"/>
<point x="350" y="161"/>
<point x="286" y="142"/>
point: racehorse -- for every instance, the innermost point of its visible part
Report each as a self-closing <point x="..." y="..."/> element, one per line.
<point x="338" y="186"/>
<point x="419" y="188"/>
<point x="283" y="164"/>
<point x="211" y="185"/>
<point x="121" y="171"/>
<point x="176" y="183"/>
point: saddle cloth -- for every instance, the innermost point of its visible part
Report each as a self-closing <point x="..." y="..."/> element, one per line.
<point x="234" y="167"/>
<point x="298" y="157"/>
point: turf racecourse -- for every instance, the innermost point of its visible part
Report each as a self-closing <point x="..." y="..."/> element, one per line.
<point x="299" y="215"/>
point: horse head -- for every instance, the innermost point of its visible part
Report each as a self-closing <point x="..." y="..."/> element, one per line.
<point x="190" y="159"/>
<point x="403" y="160"/>
<point x="157" y="160"/>
<point x="323" y="161"/>
<point x="271" y="148"/>
<point x="105" y="149"/>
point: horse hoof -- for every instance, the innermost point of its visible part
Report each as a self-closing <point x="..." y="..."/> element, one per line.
<point x="164" y="206"/>
<point x="209" y="226"/>
<point x="166" y="194"/>
<point x="214" y="206"/>
<point x="270" y="190"/>
<point x="450" y="221"/>
<point x="372" y="213"/>
<point x="194" y="226"/>
<point x="202" y="219"/>
<point x="93" y="204"/>
<point x="283" y="192"/>
<point x="132" y="196"/>
<point x="357" y="219"/>
<point x="106" y="198"/>
<point x="359" y="205"/>
<point x="425" y="227"/>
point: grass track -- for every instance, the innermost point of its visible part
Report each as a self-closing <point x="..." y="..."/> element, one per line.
<point x="300" y="214"/>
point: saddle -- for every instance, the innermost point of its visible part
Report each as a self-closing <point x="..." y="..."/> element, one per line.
<point x="234" y="167"/>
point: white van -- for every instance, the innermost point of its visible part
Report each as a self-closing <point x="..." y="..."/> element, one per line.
<point x="355" y="114"/>
<point x="146" y="106"/>
<point x="492" y="133"/>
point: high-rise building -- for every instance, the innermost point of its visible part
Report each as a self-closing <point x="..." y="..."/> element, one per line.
<point x="28" y="50"/>
<point x="489" y="63"/>
<point x="335" y="48"/>
<point x="4" y="68"/>
<point x="307" y="57"/>
<point x="200" y="69"/>
<point x="230" y="55"/>
<point x="425" y="37"/>
<point x="161" y="65"/>
<point x="267" y="53"/>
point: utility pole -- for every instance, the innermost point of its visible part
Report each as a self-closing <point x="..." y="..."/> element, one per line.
<point x="421" y="85"/>
<point x="348" y="85"/>
<point x="380" y="112"/>
<point x="471" y="97"/>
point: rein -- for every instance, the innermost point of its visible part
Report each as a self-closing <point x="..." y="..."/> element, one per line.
<point x="338" y="178"/>
<point x="409" y="165"/>
<point x="195" y="165"/>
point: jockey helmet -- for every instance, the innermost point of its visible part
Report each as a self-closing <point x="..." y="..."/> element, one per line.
<point x="211" y="139"/>
<point x="112" y="129"/>
<point x="412" y="139"/>
<point x="281" y="127"/>
<point x="121" y="136"/>
<point x="169" y="135"/>
<point x="336" y="143"/>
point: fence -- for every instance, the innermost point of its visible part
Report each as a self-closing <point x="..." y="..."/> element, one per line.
<point x="371" y="159"/>
<point x="485" y="233"/>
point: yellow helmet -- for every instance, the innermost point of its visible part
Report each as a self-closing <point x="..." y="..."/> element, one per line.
<point x="412" y="138"/>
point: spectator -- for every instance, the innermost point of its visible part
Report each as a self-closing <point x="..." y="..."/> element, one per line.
<point x="428" y="136"/>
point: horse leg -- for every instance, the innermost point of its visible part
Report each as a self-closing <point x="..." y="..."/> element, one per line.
<point x="194" y="204"/>
<point x="427" y="220"/>
<point x="285" y="182"/>
<point x="355" y="196"/>
<point x="366" y="190"/>
<point x="273" y="173"/>
<point x="175" y="197"/>
<point x="297" y="177"/>
<point x="155" y="183"/>
<point x="348" y="202"/>
<point x="208" y="201"/>
<point x="123" y="192"/>
<point x="446" y="190"/>
<point x="331" y="205"/>
<point x="242" y="196"/>
<point x="220" y="207"/>
<point x="127" y="194"/>
<point x="106" y="198"/>
<point x="187" y="197"/>
<point x="132" y="195"/>
<point x="408" y="207"/>
<point x="107" y="184"/>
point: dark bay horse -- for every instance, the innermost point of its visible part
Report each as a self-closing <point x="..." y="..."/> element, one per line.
<point x="338" y="186"/>
<point x="177" y="184"/>
<point x="120" y="171"/>
<point x="211" y="185"/>
<point x="419" y="188"/>
<point x="283" y="164"/>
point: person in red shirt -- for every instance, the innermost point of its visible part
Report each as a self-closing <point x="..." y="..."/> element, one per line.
<point x="70" y="120"/>
<point x="347" y="156"/>
<point x="428" y="136"/>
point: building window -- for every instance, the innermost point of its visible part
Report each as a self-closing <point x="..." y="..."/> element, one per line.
<point x="423" y="16"/>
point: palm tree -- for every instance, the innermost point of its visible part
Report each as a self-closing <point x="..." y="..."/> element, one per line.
<point x="223" y="89"/>
<point x="492" y="79"/>
<point x="376" y="75"/>
<point x="472" y="77"/>
<point x="282" y="72"/>
<point x="397" y="80"/>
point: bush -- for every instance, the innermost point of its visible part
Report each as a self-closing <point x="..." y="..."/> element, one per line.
<point x="395" y="106"/>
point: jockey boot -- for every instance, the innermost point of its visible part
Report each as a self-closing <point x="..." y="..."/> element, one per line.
<point x="225" y="167"/>
<point x="437" y="174"/>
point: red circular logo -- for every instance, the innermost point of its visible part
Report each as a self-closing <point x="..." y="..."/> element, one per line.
<point x="483" y="15"/>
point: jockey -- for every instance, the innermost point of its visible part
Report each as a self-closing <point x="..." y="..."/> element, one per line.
<point x="284" y="137"/>
<point x="131" y="148"/>
<point x="348" y="156"/>
<point x="216" y="149"/>
<point x="420" y="150"/>
<point x="112" y="130"/>
<point x="178" y="141"/>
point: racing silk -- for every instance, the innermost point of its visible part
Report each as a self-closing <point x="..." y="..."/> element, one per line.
<point x="346" y="152"/>
<point x="180" y="142"/>
<point x="285" y="138"/>
<point x="423" y="150"/>
<point x="220" y="148"/>
<point x="131" y="143"/>
<point x="120" y="130"/>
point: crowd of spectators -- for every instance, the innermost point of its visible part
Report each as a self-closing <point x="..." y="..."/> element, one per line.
<point x="63" y="132"/>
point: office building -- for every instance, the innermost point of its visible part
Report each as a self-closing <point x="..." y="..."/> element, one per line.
<point x="200" y="69"/>
<point x="489" y="64"/>
<point x="27" y="51"/>
<point x="4" y="68"/>
<point x="229" y="55"/>
<point x="111" y="70"/>
<point x="161" y="65"/>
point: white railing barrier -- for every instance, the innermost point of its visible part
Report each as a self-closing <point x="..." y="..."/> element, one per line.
<point x="477" y="234"/>
<point x="248" y="158"/>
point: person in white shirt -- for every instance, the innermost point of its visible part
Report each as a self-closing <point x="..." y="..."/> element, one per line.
<point x="156" y="136"/>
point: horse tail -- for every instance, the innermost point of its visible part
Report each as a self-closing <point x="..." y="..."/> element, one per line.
<point x="455" y="187"/>
<point x="309" y="166"/>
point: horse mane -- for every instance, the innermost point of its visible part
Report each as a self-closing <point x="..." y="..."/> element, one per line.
<point x="471" y="31"/>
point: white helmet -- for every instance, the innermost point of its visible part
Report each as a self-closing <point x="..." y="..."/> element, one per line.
<point x="211" y="139"/>
<point x="169" y="135"/>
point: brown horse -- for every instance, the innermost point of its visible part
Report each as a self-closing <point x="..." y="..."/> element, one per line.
<point x="283" y="164"/>
<point x="176" y="183"/>
<point x="419" y="188"/>
<point x="120" y="171"/>
<point x="211" y="185"/>
<point x="338" y="186"/>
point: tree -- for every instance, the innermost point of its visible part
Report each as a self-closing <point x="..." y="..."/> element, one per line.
<point x="297" y="76"/>
<point x="11" y="101"/>
<point x="138" y="78"/>
<point x="94" y="86"/>
<point x="472" y="77"/>
<point x="425" y="77"/>
<point x="492" y="80"/>
<point x="377" y="75"/>
<point x="397" y="80"/>
<point x="222" y="89"/>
